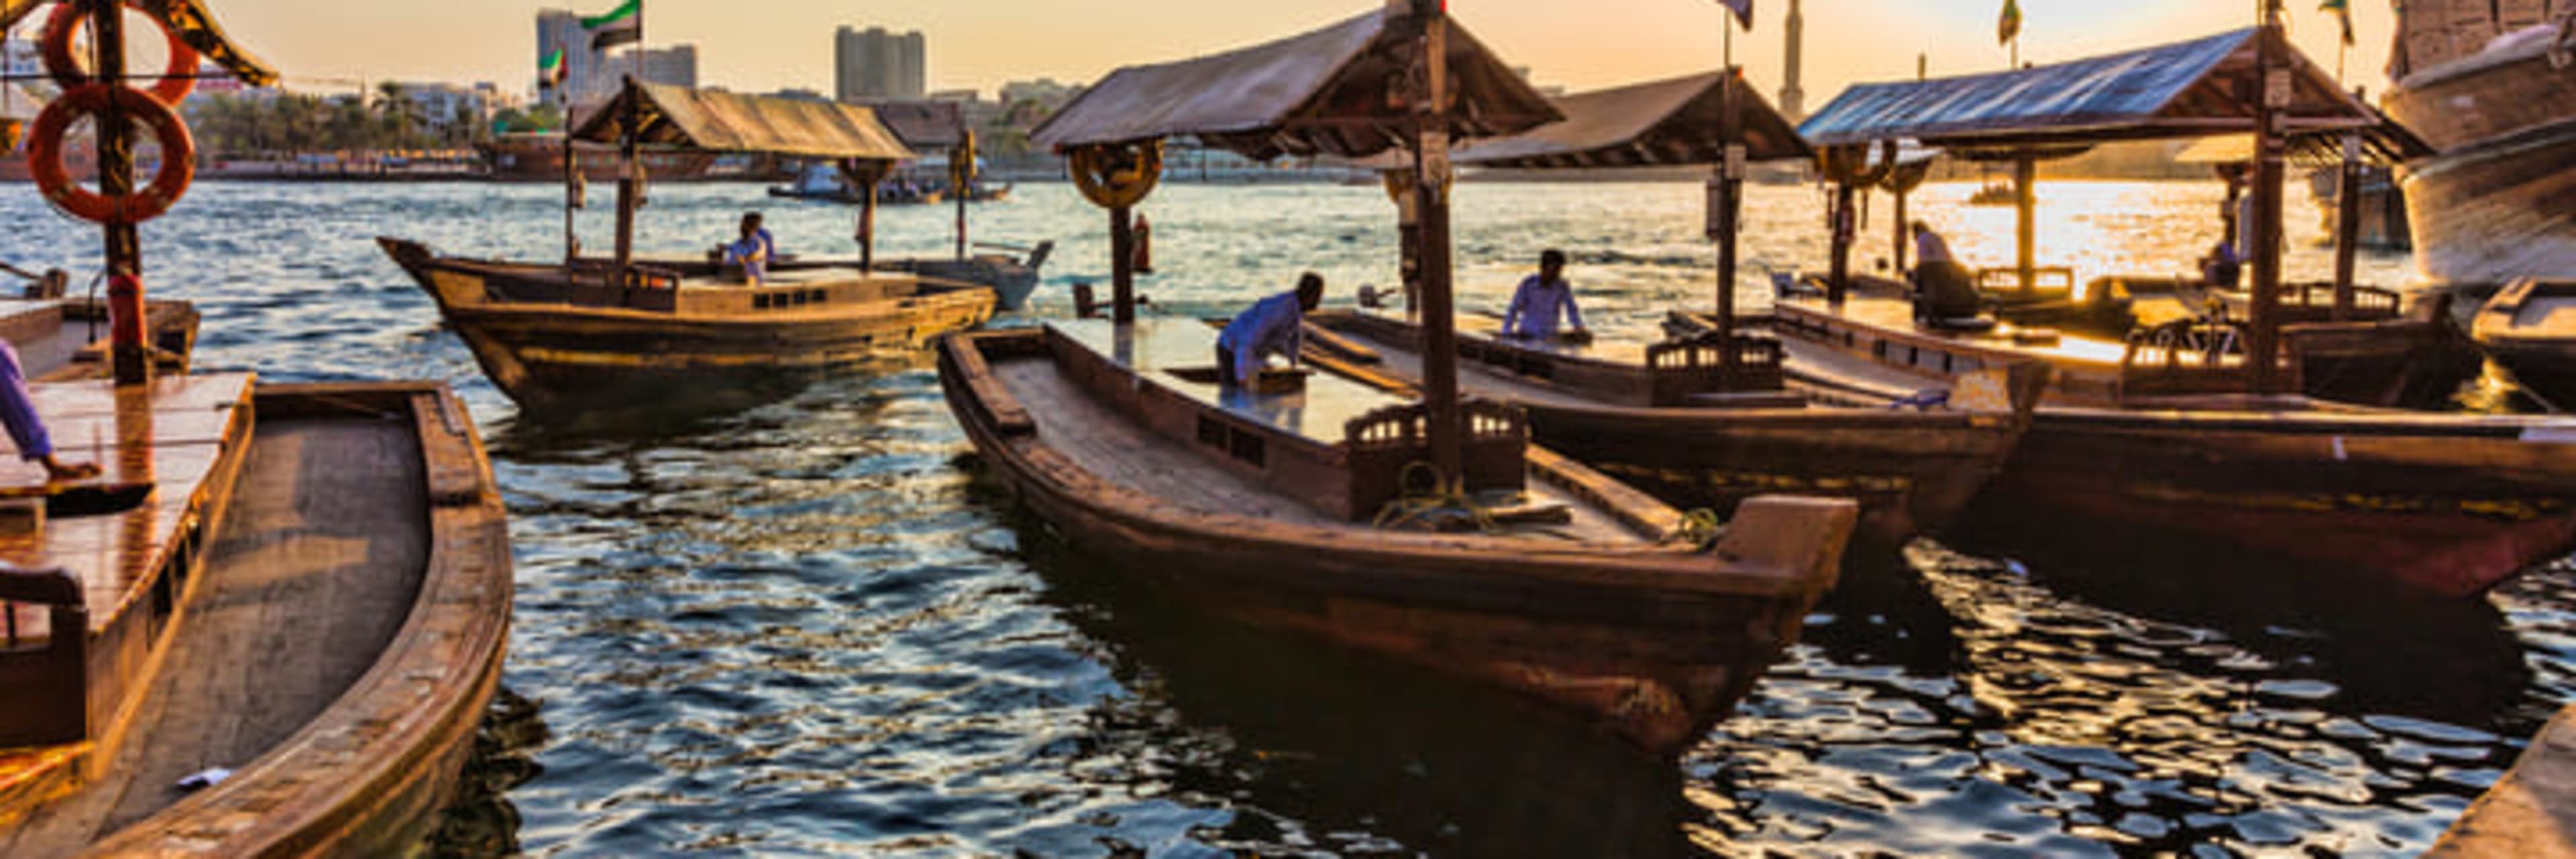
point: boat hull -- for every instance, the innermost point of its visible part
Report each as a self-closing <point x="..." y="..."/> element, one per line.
<point x="2445" y="505"/>
<point x="2446" y="513"/>
<point x="2492" y="207"/>
<point x="2497" y="211"/>
<point x="1653" y="666"/>
<point x="1912" y="474"/>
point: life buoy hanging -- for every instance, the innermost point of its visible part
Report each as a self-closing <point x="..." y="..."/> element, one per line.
<point x="178" y="78"/>
<point x="53" y="177"/>
<point x="1117" y="176"/>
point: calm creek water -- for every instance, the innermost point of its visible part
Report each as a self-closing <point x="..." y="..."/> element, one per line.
<point x="805" y="629"/>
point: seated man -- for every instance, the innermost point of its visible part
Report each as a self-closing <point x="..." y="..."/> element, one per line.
<point x="753" y="251"/>
<point x="1943" y="289"/>
<point x="2224" y="266"/>
<point x="1540" y="299"/>
<point x="1274" y="326"/>
<point x="26" y="429"/>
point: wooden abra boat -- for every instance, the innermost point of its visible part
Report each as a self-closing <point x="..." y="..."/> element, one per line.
<point x="2193" y="432"/>
<point x="1642" y="414"/>
<point x="316" y="598"/>
<point x="1702" y="422"/>
<point x="1429" y="531"/>
<point x="1587" y="596"/>
<point x="2530" y="328"/>
<point x="554" y="339"/>
<point x="555" y="336"/>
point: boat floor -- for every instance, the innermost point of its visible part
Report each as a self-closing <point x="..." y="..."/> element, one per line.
<point x="313" y="572"/>
<point x="1116" y="448"/>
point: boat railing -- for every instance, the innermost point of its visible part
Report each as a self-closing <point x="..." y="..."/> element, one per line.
<point x="1699" y="365"/>
<point x="2188" y="356"/>
<point x="2044" y="280"/>
<point x="47" y="678"/>
<point x="1390" y="445"/>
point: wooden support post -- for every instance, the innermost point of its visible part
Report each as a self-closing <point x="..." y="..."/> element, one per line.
<point x="2263" y="346"/>
<point x="630" y="122"/>
<point x="2026" y="220"/>
<point x="1729" y="202"/>
<point x="2347" y="226"/>
<point x="129" y="352"/>
<point x="1903" y="248"/>
<point x="1122" y="264"/>
<point x="1845" y="217"/>
<point x="868" y="231"/>
<point x="1447" y="421"/>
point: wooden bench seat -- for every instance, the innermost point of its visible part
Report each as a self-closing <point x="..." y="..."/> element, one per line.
<point x="1160" y="350"/>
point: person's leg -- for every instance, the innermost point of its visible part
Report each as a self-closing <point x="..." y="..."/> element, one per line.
<point x="18" y="409"/>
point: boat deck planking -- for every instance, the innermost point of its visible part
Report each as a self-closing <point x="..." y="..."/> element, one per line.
<point x="314" y="570"/>
<point x="190" y="424"/>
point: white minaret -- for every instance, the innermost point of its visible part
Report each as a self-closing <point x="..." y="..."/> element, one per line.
<point x="1792" y="99"/>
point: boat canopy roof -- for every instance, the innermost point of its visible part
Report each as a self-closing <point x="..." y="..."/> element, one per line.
<point x="1662" y="123"/>
<point x="1334" y="91"/>
<point x="710" y="121"/>
<point x="187" y="18"/>
<point x="2188" y="89"/>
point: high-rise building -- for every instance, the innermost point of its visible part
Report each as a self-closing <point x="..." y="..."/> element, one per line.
<point x="876" y="65"/>
<point x="676" y="65"/>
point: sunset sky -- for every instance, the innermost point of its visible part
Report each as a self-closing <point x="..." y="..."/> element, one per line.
<point x="761" y="45"/>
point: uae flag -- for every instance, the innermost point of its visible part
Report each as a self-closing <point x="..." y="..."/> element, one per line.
<point x="551" y="71"/>
<point x="623" y="26"/>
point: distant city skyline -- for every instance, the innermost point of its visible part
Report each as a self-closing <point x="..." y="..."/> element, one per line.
<point x="987" y="43"/>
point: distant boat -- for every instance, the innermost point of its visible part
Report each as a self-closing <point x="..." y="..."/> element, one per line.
<point x="2493" y="206"/>
<point x="631" y="332"/>
<point x="823" y="183"/>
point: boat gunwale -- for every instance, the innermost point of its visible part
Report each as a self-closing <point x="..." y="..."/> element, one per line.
<point x="319" y="790"/>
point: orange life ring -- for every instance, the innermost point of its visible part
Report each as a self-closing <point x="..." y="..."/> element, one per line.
<point x="178" y="79"/>
<point x="53" y="177"/>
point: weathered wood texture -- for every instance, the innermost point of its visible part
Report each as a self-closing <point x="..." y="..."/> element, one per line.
<point x="2446" y="504"/>
<point x="551" y="340"/>
<point x="2528" y="814"/>
<point x="1912" y="472"/>
<point x="347" y="636"/>
<point x="1647" y="639"/>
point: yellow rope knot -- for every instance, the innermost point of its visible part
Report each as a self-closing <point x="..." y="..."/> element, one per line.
<point x="1441" y="507"/>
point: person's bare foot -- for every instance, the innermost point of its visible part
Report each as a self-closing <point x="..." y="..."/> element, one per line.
<point x="59" y="471"/>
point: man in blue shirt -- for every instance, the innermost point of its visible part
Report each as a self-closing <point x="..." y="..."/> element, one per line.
<point x="753" y="251"/>
<point x="1274" y="326"/>
<point x="1541" y="298"/>
<point x="26" y="429"/>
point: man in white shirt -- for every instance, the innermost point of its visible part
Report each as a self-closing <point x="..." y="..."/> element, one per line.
<point x="1541" y="298"/>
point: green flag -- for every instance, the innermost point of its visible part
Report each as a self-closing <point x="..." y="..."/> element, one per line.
<point x="2343" y="12"/>
<point x="621" y="26"/>
<point x="552" y="70"/>
<point x="2009" y="27"/>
